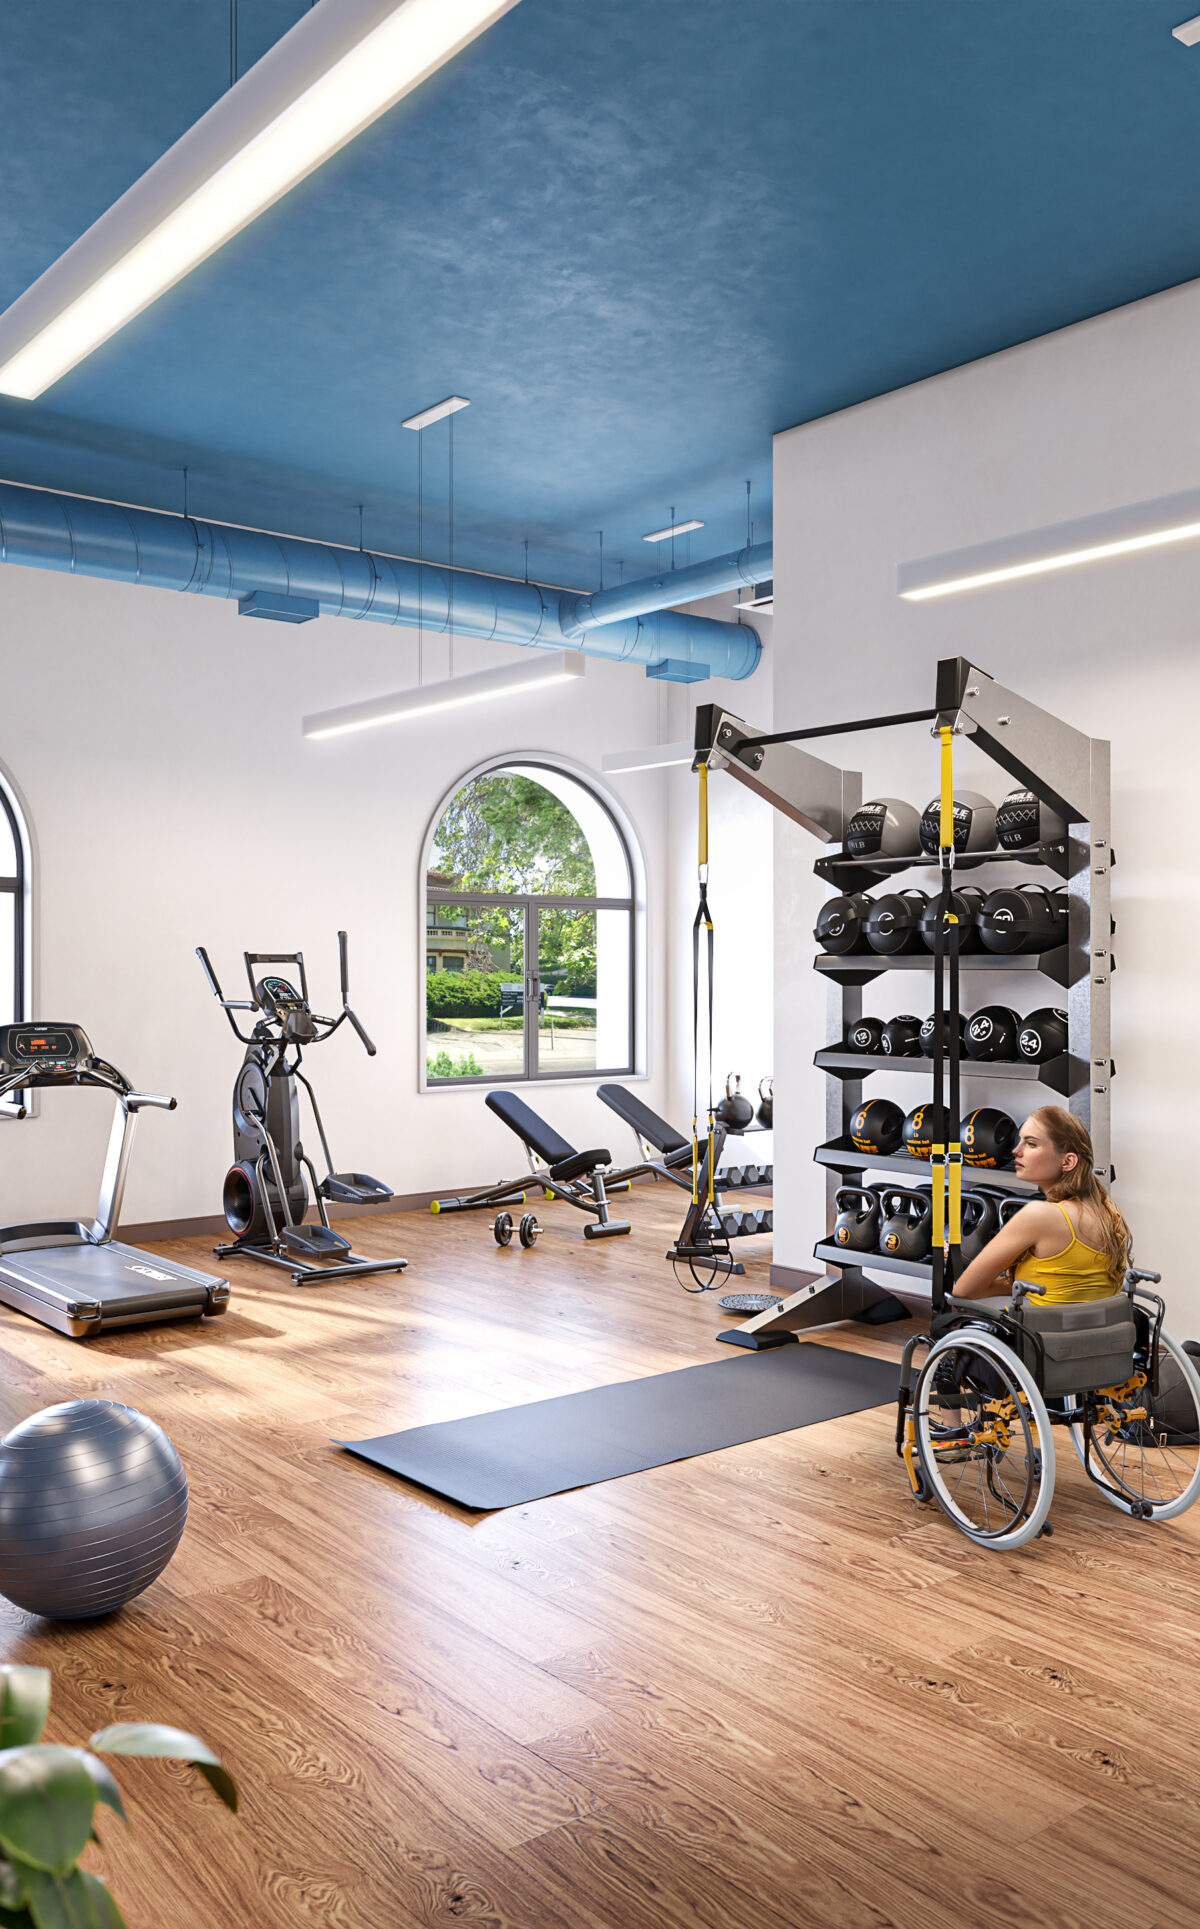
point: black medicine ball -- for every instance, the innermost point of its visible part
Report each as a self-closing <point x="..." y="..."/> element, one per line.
<point x="902" y="1037"/>
<point x="927" y="1031"/>
<point x="917" y="1132"/>
<point x="877" y="1127"/>
<point x="1043" y="1035"/>
<point x="974" y="823"/>
<point x="966" y="905"/>
<point x="885" y="827"/>
<point x="1022" y="821"/>
<point x="894" y="924"/>
<point x="988" y="1137"/>
<point x="842" y="924"/>
<point x="992" y="1033"/>
<point x="866" y="1035"/>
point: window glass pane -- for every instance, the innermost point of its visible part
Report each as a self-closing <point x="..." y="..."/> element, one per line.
<point x="508" y="832"/>
<point x="9" y="861"/>
<point x="8" y="999"/>
<point x="474" y="1001"/>
<point x="584" y="1015"/>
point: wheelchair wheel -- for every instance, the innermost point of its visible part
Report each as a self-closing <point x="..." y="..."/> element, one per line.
<point x="983" y="1439"/>
<point x="1146" y="1451"/>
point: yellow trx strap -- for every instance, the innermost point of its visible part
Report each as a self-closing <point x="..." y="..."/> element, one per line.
<point x="947" y="1159"/>
<point x="702" y="921"/>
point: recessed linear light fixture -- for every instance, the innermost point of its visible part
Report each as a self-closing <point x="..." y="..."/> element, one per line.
<point x="541" y="670"/>
<point x="342" y="65"/>
<point x="676" y="529"/>
<point x="1188" y="31"/>
<point x="658" y="756"/>
<point x="450" y="406"/>
<point x="1062" y="545"/>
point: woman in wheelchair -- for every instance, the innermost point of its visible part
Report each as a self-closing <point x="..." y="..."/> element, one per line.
<point x="1071" y="1246"/>
<point x="1050" y="1326"/>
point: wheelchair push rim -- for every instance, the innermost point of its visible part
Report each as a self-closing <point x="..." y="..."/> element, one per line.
<point x="984" y="1441"/>
<point x="1141" y="1470"/>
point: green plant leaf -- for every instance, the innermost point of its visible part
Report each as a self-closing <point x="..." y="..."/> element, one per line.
<point x="12" y="1887"/>
<point x="46" y="1803"/>
<point x="74" y="1901"/>
<point x="105" y="1784"/>
<point x="172" y="1744"/>
<point x="24" y="1704"/>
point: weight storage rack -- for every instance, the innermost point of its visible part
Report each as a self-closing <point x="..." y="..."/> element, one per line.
<point x="1069" y="773"/>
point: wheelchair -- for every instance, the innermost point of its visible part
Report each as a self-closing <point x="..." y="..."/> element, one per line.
<point x="975" y="1427"/>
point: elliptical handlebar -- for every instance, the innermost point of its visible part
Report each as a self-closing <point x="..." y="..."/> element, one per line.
<point x="228" y="1005"/>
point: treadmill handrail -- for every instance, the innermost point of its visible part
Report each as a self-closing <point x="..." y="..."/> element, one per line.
<point x="134" y="1101"/>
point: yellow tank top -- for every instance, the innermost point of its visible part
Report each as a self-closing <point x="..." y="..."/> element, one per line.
<point x="1078" y="1272"/>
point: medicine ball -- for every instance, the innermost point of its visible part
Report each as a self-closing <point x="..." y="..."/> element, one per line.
<point x="894" y="923"/>
<point x="865" y="1036"/>
<point x="980" y="1219"/>
<point x="841" y="925"/>
<point x="902" y="1037"/>
<point x="988" y="1137"/>
<point x="1043" y="1035"/>
<point x="966" y="905"/>
<point x="927" y="1031"/>
<point x="907" y="1224"/>
<point x="1024" y="918"/>
<point x="992" y="1033"/>
<point x="885" y="827"/>
<point x="974" y="824"/>
<point x="1023" y="820"/>
<point x="917" y="1133"/>
<point x="857" y="1223"/>
<point x="877" y="1126"/>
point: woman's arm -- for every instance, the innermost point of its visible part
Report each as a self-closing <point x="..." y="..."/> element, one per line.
<point x="1035" y="1222"/>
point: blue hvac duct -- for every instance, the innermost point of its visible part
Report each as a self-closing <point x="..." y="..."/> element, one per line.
<point x="672" y="586"/>
<point x="283" y="576"/>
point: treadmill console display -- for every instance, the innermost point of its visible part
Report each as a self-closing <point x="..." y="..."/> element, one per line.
<point x="47" y="1051"/>
<point x="278" y="997"/>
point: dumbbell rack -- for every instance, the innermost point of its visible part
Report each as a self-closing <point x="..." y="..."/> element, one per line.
<point x="1068" y="772"/>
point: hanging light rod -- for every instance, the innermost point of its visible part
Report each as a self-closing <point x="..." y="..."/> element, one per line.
<point x="542" y="669"/>
<point x="450" y="406"/>
<point x="676" y="529"/>
<point x="342" y="65"/>
<point x="1061" y="545"/>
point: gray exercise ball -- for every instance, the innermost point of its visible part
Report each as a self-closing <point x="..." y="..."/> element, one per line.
<point x="93" y="1498"/>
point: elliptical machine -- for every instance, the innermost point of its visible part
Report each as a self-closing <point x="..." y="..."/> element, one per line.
<point x="265" y="1196"/>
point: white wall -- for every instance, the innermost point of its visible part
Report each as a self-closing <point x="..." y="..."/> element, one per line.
<point x="1097" y="415"/>
<point x="155" y="740"/>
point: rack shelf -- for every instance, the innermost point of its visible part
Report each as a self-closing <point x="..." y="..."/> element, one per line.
<point x="1064" y="1074"/>
<point x="832" y="1255"/>
<point x="842" y="1156"/>
<point x="1063" y="856"/>
<point x="1066" y="964"/>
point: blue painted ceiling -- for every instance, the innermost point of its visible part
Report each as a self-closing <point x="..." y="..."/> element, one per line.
<point x="640" y="236"/>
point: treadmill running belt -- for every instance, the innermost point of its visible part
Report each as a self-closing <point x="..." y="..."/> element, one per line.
<point x="523" y="1453"/>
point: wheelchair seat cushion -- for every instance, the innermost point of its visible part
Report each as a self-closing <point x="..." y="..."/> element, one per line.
<point x="579" y="1163"/>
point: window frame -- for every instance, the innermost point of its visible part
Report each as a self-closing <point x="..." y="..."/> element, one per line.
<point x="529" y="904"/>
<point x="18" y="886"/>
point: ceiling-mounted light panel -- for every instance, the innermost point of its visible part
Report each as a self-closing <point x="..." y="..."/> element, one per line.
<point x="539" y="671"/>
<point x="676" y="529"/>
<point x="1188" y="31"/>
<point x="342" y="65"/>
<point x="450" y="406"/>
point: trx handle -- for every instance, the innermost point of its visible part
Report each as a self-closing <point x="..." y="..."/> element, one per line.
<point x="702" y="922"/>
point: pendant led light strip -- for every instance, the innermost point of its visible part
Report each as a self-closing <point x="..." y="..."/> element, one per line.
<point x="342" y="65"/>
<point x="1062" y="545"/>
<point x="542" y="669"/>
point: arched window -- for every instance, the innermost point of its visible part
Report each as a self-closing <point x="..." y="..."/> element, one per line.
<point x="14" y="918"/>
<point x="529" y="932"/>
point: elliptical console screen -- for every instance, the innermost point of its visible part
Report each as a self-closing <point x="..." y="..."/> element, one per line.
<point x="279" y="996"/>
<point x="44" y="1048"/>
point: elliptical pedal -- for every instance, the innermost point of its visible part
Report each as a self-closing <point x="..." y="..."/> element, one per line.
<point x="315" y="1242"/>
<point x="355" y="1189"/>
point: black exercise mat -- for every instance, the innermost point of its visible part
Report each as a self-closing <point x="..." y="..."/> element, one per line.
<point x="524" y="1453"/>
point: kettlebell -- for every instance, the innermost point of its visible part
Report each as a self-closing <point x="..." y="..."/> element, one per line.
<point x="928" y="1029"/>
<point x="1025" y="918"/>
<point x="902" y="1037"/>
<point x="842" y="924"/>
<point x="1043" y="1035"/>
<point x="857" y="1224"/>
<point x="966" y="904"/>
<point x="894" y="922"/>
<point x="865" y="1035"/>
<point x="991" y="1033"/>
<point x="766" y="1101"/>
<point x="734" y="1111"/>
<point x="980" y="1219"/>
<point x="907" y="1224"/>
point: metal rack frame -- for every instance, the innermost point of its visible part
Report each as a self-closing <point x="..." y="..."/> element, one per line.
<point x="1068" y="772"/>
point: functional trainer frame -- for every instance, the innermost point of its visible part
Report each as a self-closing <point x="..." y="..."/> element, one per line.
<point x="1067" y="771"/>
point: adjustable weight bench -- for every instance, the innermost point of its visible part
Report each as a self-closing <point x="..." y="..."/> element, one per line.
<point x="674" y="1161"/>
<point x="578" y="1178"/>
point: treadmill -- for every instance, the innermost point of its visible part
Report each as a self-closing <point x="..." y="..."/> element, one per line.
<point x="77" y="1277"/>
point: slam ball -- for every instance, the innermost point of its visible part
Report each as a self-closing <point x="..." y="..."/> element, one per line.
<point x="93" y="1498"/>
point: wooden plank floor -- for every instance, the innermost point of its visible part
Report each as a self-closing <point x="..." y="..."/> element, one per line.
<point x="760" y="1687"/>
